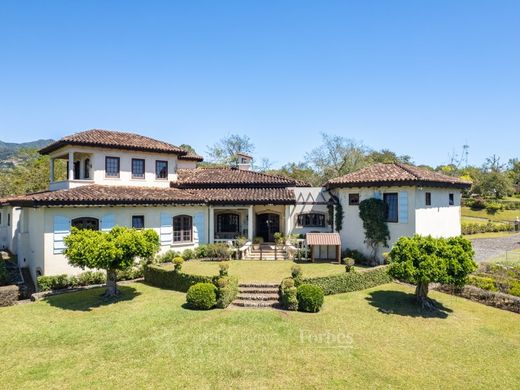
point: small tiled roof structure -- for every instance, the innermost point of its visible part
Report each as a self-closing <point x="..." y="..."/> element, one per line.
<point x="232" y="178"/>
<point x="115" y="140"/>
<point x="323" y="239"/>
<point x="396" y="174"/>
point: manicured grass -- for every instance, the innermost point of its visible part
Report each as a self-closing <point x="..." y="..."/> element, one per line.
<point x="261" y="271"/>
<point x="505" y="215"/>
<point x="368" y="339"/>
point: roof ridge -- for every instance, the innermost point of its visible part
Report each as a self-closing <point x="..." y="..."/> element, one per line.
<point x="407" y="169"/>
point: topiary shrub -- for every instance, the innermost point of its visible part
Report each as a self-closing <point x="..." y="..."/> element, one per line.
<point x="297" y="274"/>
<point x="349" y="264"/>
<point x="202" y="296"/>
<point x="177" y="263"/>
<point x="287" y="295"/>
<point x="310" y="298"/>
<point x="223" y="269"/>
<point x="159" y="276"/>
<point x="227" y="291"/>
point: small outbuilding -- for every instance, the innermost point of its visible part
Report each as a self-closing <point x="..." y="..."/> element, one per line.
<point x="324" y="246"/>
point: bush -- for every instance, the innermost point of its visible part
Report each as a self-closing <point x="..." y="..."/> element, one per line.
<point x="158" y="276"/>
<point x="200" y="252"/>
<point x="223" y="269"/>
<point x="515" y="288"/>
<point x="351" y="281"/>
<point x="493" y="207"/>
<point x="56" y="282"/>
<point x="227" y="291"/>
<point x="279" y="238"/>
<point x="310" y="298"/>
<point x="258" y="240"/>
<point x="188" y="254"/>
<point x="287" y="295"/>
<point x="297" y="274"/>
<point x="475" y="228"/>
<point x="3" y="273"/>
<point x="349" y="264"/>
<point x="482" y="282"/>
<point x="218" y="252"/>
<point x="87" y="278"/>
<point x="202" y="296"/>
<point x="91" y="277"/>
<point x="358" y="257"/>
<point x="177" y="263"/>
<point x="135" y="272"/>
<point x="167" y="257"/>
<point x="9" y="295"/>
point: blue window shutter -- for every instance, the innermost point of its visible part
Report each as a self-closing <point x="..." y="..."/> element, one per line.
<point x="61" y="230"/>
<point x="108" y="222"/>
<point x="199" y="235"/>
<point x="378" y="195"/>
<point x="403" y="207"/>
<point x="166" y="229"/>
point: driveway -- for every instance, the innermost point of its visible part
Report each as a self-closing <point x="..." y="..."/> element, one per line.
<point x="488" y="248"/>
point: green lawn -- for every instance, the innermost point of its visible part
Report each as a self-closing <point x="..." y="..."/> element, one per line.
<point x="469" y="215"/>
<point x="367" y="339"/>
<point x="261" y="271"/>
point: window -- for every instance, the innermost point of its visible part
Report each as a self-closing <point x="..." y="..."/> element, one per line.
<point x="451" y="199"/>
<point x="228" y="223"/>
<point x="137" y="168"/>
<point x="311" y="220"/>
<point x="87" y="168"/>
<point x="353" y="199"/>
<point x="77" y="170"/>
<point x="161" y="169"/>
<point x="138" y="221"/>
<point x="182" y="229"/>
<point x="390" y="200"/>
<point x="428" y="198"/>
<point x="85" y="223"/>
<point x="112" y="166"/>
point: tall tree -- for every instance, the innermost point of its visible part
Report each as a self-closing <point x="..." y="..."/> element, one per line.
<point x="337" y="156"/>
<point x="226" y="149"/>
<point x="387" y="156"/>
<point x="298" y="171"/>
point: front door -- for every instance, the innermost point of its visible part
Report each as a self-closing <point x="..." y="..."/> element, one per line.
<point x="267" y="225"/>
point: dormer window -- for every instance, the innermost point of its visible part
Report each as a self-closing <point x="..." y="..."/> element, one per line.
<point x="161" y="169"/>
<point x="137" y="168"/>
<point x="112" y="166"/>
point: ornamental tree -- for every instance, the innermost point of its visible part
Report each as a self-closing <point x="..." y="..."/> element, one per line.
<point x="110" y="251"/>
<point x="372" y="212"/>
<point x="421" y="260"/>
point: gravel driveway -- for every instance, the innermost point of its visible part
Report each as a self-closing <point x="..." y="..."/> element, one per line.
<point x="487" y="248"/>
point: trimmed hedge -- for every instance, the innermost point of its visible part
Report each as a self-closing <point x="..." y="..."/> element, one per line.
<point x="227" y="291"/>
<point x="310" y="298"/>
<point x="351" y="281"/>
<point x="202" y="296"/>
<point x="475" y="228"/>
<point x="159" y="277"/>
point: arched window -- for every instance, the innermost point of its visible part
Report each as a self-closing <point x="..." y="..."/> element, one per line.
<point x="85" y="223"/>
<point x="311" y="220"/>
<point x="182" y="228"/>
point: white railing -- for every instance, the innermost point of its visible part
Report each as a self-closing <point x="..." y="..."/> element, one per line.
<point x="245" y="250"/>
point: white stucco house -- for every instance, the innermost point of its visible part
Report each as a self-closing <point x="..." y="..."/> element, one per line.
<point x="418" y="201"/>
<point x="116" y="178"/>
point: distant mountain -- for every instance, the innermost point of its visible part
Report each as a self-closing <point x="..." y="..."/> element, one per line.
<point x="9" y="150"/>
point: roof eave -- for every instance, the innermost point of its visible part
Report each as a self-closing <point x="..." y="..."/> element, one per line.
<point x="62" y="143"/>
<point x="400" y="183"/>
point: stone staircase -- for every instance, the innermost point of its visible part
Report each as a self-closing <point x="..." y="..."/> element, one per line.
<point x="257" y="295"/>
<point x="267" y="252"/>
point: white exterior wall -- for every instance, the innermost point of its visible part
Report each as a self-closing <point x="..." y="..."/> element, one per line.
<point x="97" y="169"/>
<point x="353" y="233"/>
<point x="5" y="240"/>
<point x="55" y="264"/>
<point x="440" y="219"/>
<point x="308" y="200"/>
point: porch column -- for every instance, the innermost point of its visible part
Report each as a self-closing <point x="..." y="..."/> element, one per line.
<point x="288" y="227"/>
<point x="52" y="170"/>
<point x="250" y="223"/>
<point x="71" y="166"/>
<point x="211" y="225"/>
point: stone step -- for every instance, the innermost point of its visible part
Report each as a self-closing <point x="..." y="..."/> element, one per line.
<point x="258" y="290"/>
<point x="259" y="284"/>
<point x="257" y="297"/>
<point x="256" y="304"/>
<point x="267" y="257"/>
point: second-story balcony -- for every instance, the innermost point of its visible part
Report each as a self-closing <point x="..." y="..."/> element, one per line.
<point x="78" y="171"/>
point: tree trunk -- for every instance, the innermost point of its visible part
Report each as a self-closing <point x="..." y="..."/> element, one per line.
<point x="111" y="290"/>
<point x="421" y="296"/>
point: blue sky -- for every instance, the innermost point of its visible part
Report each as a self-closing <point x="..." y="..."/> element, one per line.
<point x="418" y="77"/>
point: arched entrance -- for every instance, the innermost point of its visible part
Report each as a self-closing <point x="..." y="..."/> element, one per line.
<point x="267" y="224"/>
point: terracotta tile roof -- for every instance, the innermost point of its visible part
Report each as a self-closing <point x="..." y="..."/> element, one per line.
<point x="396" y="174"/>
<point x="109" y="195"/>
<point x="114" y="139"/>
<point x="125" y="195"/>
<point x="323" y="239"/>
<point x="246" y="195"/>
<point x="231" y="177"/>
<point x="191" y="156"/>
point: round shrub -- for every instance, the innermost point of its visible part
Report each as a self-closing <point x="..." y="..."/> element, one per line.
<point x="202" y="296"/>
<point x="177" y="263"/>
<point x="223" y="269"/>
<point x="349" y="264"/>
<point x="310" y="298"/>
